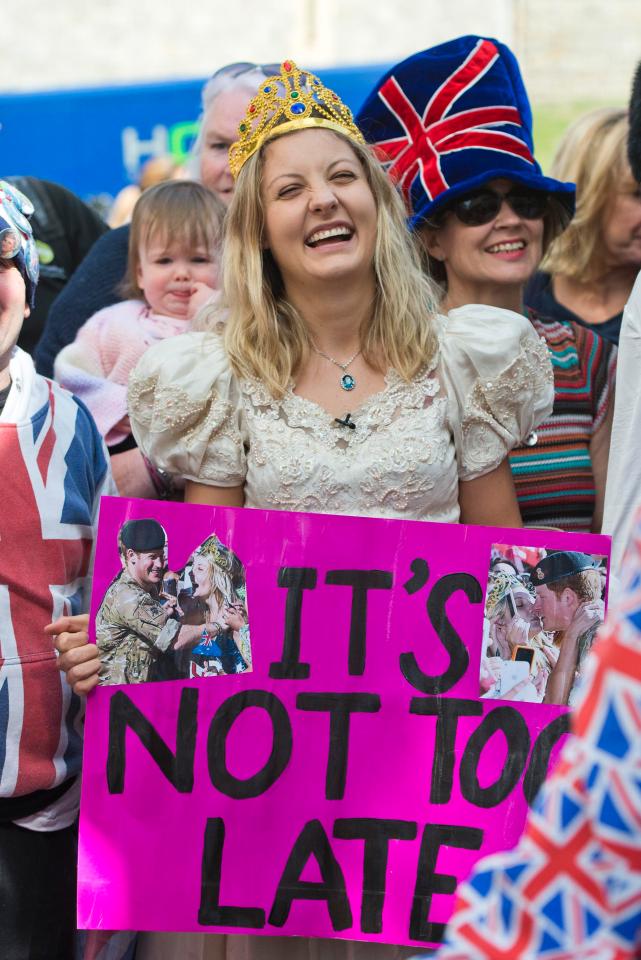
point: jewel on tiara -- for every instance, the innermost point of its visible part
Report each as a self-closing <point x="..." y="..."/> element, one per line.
<point x="292" y="101"/>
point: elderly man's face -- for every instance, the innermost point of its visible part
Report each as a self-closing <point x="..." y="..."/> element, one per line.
<point x="146" y="568"/>
<point x="555" y="610"/>
<point x="220" y="130"/>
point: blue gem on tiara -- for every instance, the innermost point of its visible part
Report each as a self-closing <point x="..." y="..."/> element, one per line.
<point x="297" y="108"/>
<point x="267" y="89"/>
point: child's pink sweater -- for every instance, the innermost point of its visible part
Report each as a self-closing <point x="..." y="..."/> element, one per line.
<point x="96" y="366"/>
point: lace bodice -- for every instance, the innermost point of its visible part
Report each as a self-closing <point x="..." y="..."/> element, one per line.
<point x="411" y="443"/>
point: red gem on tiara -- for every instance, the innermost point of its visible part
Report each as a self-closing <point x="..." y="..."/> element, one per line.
<point x="287" y="65"/>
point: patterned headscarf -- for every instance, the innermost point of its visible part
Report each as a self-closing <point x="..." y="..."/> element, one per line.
<point x="16" y="236"/>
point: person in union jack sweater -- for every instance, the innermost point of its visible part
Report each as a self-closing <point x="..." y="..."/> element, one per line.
<point x="55" y="468"/>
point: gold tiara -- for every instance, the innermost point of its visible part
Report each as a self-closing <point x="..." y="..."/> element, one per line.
<point x="213" y="549"/>
<point x="294" y="100"/>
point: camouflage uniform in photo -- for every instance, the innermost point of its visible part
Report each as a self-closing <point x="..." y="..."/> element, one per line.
<point x="132" y="630"/>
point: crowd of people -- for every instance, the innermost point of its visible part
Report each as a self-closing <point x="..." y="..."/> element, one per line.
<point x="396" y="314"/>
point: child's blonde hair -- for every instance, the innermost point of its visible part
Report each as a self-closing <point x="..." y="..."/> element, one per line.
<point x="180" y="211"/>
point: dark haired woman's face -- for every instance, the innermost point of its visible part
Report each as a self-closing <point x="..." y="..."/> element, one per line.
<point x="502" y="253"/>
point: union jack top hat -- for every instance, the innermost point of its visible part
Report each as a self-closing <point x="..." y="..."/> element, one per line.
<point x="447" y="120"/>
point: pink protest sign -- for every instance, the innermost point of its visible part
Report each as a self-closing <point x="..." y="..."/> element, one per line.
<point x="362" y="709"/>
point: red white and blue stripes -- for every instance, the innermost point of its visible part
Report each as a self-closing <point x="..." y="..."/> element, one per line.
<point x="55" y="468"/>
<point x="441" y="130"/>
<point x="554" y="478"/>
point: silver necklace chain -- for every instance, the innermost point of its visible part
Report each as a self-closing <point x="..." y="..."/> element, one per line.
<point x="347" y="381"/>
<point x="337" y="363"/>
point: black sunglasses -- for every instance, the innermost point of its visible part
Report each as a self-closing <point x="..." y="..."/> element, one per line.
<point x="482" y="206"/>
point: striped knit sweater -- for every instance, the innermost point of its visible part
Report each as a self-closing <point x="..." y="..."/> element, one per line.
<point x="553" y="477"/>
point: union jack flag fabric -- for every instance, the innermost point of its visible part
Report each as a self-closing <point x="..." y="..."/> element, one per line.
<point x="449" y="119"/>
<point x="54" y="468"/>
<point x="571" y="890"/>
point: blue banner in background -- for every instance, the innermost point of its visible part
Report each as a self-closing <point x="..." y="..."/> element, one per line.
<point x="94" y="141"/>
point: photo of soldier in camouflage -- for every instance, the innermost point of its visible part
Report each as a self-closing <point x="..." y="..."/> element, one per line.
<point x="155" y="624"/>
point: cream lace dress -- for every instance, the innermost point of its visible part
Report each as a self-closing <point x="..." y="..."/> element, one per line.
<point x="489" y="386"/>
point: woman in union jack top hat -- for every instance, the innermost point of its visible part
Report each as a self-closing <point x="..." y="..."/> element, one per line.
<point x="453" y="127"/>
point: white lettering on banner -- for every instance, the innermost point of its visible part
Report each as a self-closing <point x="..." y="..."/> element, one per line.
<point x="133" y="148"/>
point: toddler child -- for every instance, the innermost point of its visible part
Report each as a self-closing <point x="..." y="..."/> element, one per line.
<point x="174" y="251"/>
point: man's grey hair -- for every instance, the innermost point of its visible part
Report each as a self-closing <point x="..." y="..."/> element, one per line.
<point x="237" y="76"/>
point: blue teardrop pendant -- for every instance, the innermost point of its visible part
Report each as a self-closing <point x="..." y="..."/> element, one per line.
<point x="347" y="381"/>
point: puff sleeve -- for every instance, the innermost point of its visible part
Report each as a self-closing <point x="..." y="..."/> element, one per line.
<point x="499" y="381"/>
<point x="185" y="410"/>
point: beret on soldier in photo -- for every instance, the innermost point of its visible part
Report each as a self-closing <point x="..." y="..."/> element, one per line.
<point x="143" y="536"/>
<point x="634" y="139"/>
<point x="565" y="563"/>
